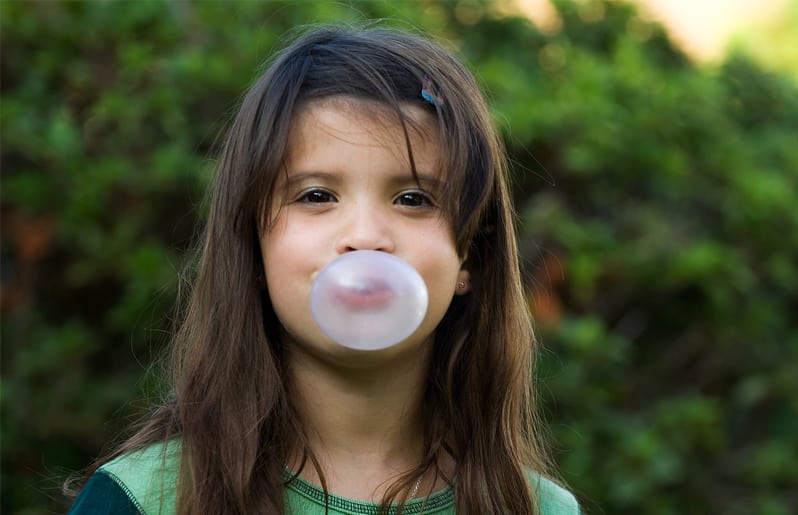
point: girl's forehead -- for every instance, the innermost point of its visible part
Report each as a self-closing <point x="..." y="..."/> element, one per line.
<point x="364" y="121"/>
<point x="331" y="132"/>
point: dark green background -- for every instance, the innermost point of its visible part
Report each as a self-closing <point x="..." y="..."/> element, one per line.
<point x="658" y="223"/>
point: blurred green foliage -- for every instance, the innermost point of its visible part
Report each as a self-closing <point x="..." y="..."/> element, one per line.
<point x="659" y="233"/>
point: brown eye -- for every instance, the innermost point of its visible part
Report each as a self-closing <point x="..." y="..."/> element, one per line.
<point x="317" y="197"/>
<point x="413" y="199"/>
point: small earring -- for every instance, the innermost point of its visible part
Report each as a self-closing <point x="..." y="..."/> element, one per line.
<point x="461" y="285"/>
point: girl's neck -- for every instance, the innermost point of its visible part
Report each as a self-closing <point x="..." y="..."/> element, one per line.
<point x="364" y="424"/>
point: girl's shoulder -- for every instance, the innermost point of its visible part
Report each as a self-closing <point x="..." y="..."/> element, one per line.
<point x="553" y="498"/>
<point x="143" y="480"/>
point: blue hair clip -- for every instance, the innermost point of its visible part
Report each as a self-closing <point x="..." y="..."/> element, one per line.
<point x="427" y="96"/>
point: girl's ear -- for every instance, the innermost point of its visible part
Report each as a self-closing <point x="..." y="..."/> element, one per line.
<point x="463" y="282"/>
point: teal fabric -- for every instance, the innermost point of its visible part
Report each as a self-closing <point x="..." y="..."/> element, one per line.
<point x="553" y="499"/>
<point x="146" y="479"/>
<point x="306" y="498"/>
<point x="101" y="494"/>
<point x="149" y="476"/>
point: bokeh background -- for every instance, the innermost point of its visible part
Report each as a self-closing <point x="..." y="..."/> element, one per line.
<point x="656" y="193"/>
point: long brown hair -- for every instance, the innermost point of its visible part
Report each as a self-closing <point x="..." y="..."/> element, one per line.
<point x="230" y="406"/>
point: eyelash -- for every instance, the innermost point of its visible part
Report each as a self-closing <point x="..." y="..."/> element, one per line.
<point x="426" y="200"/>
<point x="305" y="197"/>
<point x="416" y="199"/>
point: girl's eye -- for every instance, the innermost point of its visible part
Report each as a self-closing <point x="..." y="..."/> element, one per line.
<point x="316" y="197"/>
<point x="413" y="199"/>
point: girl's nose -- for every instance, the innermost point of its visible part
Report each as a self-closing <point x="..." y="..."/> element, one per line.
<point x="365" y="229"/>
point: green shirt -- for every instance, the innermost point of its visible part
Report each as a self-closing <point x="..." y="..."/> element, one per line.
<point x="143" y="482"/>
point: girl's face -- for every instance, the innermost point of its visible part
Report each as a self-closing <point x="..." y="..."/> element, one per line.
<point x="349" y="186"/>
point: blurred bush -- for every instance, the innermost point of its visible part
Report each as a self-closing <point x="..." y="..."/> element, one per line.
<point x="658" y="227"/>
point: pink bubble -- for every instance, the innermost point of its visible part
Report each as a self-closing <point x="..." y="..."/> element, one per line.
<point x="368" y="300"/>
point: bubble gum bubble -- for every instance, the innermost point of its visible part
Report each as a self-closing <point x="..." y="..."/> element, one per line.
<point x="368" y="300"/>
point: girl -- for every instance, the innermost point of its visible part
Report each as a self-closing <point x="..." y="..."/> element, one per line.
<point x="351" y="140"/>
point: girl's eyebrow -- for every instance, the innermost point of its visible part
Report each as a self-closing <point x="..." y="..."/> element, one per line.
<point x="294" y="178"/>
<point x="425" y="179"/>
